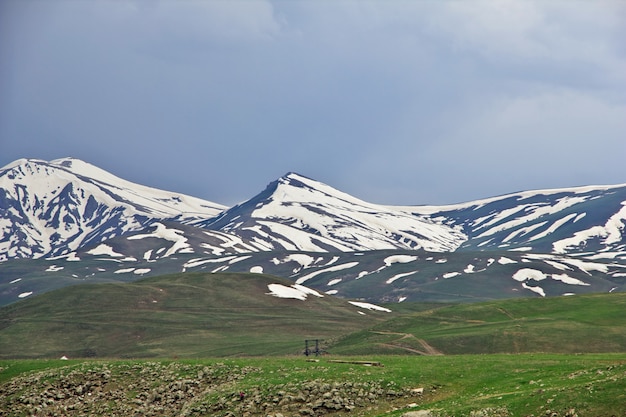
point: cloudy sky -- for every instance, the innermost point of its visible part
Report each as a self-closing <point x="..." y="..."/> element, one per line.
<point x="394" y="102"/>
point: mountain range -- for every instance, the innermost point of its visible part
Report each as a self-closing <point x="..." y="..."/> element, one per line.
<point x="66" y="222"/>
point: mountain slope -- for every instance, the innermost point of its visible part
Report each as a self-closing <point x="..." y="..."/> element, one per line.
<point x="570" y="220"/>
<point x="66" y="222"/>
<point x="297" y="213"/>
<point x="587" y="323"/>
<point x="52" y="208"/>
<point x="187" y="315"/>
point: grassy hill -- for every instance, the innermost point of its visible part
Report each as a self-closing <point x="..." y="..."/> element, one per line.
<point x="571" y="324"/>
<point x="230" y="314"/>
<point x="180" y="315"/>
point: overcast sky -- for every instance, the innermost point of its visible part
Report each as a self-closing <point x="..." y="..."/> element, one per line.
<point x="394" y="102"/>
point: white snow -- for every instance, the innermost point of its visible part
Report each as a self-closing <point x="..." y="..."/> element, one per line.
<point x="334" y="281"/>
<point x="554" y="226"/>
<point x="469" y="269"/>
<point x="568" y="280"/>
<point x="329" y="269"/>
<point x="256" y="269"/>
<point x="529" y="273"/>
<point x="72" y="257"/>
<point x="398" y="276"/>
<point x="522" y="249"/>
<point x="162" y="232"/>
<point x="25" y="294"/>
<point x="15" y="280"/>
<point x="307" y="290"/>
<point x="369" y="306"/>
<point x="103" y="249"/>
<point x="318" y="216"/>
<point x="141" y="271"/>
<point x="400" y="259"/>
<point x="54" y="268"/>
<point x="586" y="266"/>
<point x="239" y="259"/>
<point x="192" y="263"/>
<point x="297" y="292"/>
<point x="451" y="274"/>
<point x="611" y="232"/>
<point x="124" y="271"/>
<point x="523" y="231"/>
<point x="303" y="260"/>
<point x="537" y="289"/>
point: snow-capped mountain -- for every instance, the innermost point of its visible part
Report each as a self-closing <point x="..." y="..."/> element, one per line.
<point x="573" y="220"/>
<point x="298" y="213"/>
<point x="52" y="208"/>
<point x="65" y="222"/>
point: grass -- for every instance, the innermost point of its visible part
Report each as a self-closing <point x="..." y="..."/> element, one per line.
<point x="455" y="385"/>
<point x="183" y="315"/>
<point x="520" y="357"/>
<point x="585" y="323"/>
<point x="230" y="314"/>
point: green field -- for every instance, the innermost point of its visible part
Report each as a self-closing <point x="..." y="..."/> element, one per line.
<point x="181" y="315"/>
<point x="188" y="344"/>
<point x="572" y="324"/>
<point x="196" y="315"/>
<point x="455" y="385"/>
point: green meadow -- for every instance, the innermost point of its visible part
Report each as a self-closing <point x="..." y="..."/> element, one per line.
<point x="201" y="344"/>
<point x="452" y="385"/>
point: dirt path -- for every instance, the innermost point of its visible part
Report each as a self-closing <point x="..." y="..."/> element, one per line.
<point x="428" y="350"/>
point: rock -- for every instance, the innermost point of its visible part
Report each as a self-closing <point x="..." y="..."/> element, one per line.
<point x="418" y="413"/>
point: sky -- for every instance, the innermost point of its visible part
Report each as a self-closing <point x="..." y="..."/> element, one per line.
<point x="394" y="102"/>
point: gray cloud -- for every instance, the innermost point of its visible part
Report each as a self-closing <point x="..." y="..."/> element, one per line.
<point x="397" y="102"/>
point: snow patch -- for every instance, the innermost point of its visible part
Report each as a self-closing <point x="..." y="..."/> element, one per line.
<point x="568" y="280"/>
<point x="25" y="294"/>
<point x="398" y="276"/>
<point x="54" y="268"/>
<point x="103" y="249"/>
<point x="297" y="292"/>
<point x="528" y="274"/>
<point x="173" y="235"/>
<point x="258" y="269"/>
<point x="369" y="306"/>
<point x="537" y="289"/>
<point x="15" y="280"/>
<point x="399" y="259"/>
<point x="330" y="269"/>
<point x="451" y="274"/>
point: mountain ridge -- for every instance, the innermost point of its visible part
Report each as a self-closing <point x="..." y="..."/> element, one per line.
<point x="545" y="242"/>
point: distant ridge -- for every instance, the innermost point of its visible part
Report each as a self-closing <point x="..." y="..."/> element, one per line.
<point x="83" y="224"/>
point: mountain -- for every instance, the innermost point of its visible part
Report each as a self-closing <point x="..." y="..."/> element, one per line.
<point x="297" y="213"/>
<point x="52" y="208"/>
<point x="573" y="220"/>
<point x="66" y="222"/>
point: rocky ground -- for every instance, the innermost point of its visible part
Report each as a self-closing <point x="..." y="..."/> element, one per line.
<point x="177" y="389"/>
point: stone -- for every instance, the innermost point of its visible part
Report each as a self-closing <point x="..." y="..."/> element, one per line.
<point x="418" y="413"/>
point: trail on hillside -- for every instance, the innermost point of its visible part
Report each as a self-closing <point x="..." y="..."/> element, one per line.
<point x="428" y="350"/>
